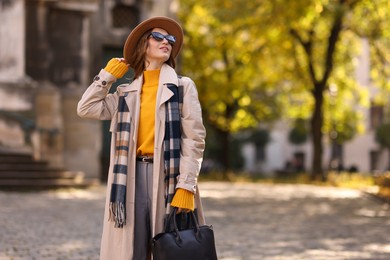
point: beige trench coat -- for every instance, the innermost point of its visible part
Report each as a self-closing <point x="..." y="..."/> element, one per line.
<point x="97" y="103"/>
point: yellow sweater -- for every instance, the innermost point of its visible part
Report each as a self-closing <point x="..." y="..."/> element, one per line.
<point x="145" y="144"/>
<point x="145" y="141"/>
<point x="117" y="68"/>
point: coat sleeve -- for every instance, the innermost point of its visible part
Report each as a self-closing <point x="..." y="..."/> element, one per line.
<point x="96" y="102"/>
<point x="193" y="137"/>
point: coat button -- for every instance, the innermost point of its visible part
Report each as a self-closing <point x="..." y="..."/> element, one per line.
<point x="96" y="78"/>
<point x="104" y="83"/>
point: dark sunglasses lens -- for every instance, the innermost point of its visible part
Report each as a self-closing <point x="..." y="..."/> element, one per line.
<point x="159" y="37"/>
<point x="171" y="39"/>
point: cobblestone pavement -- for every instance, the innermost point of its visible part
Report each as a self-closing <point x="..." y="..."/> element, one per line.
<point x="251" y="221"/>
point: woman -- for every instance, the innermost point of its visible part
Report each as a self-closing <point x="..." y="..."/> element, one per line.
<point x="157" y="133"/>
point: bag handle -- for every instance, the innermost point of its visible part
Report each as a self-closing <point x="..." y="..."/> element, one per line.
<point x="176" y="229"/>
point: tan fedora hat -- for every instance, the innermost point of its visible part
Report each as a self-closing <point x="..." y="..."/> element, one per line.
<point x="168" y="24"/>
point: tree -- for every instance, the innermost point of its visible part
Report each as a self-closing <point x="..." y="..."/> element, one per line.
<point x="321" y="39"/>
<point x="257" y="60"/>
<point x="225" y="61"/>
<point x="318" y="35"/>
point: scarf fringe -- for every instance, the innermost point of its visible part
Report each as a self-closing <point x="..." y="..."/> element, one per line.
<point x="117" y="214"/>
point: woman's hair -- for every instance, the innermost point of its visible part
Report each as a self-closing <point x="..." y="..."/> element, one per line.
<point x="139" y="56"/>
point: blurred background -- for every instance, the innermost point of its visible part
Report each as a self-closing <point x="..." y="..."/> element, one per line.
<point x="286" y="87"/>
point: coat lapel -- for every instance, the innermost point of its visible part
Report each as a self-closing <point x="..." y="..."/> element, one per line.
<point x="133" y="100"/>
<point x="167" y="75"/>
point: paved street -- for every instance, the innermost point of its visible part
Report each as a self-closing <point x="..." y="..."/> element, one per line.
<point x="251" y="221"/>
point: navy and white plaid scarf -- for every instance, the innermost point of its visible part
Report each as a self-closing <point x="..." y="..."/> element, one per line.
<point x="118" y="186"/>
<point x="172" y="141"/>
<point x="171" y="145"/>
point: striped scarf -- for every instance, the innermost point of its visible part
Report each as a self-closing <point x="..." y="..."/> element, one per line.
<point x="117" y="207"/>
<point x="172" y="140"/>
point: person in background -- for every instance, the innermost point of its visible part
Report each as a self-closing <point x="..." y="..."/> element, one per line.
<point x="158" y="139"/>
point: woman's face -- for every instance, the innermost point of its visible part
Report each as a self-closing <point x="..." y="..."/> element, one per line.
<point x="158" y="51"/>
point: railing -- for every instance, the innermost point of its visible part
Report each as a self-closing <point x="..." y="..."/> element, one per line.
<point x="25" y="119"/>
<point x="31" y="132"/>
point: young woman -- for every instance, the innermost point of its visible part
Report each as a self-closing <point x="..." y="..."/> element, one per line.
<point x="158" y="139"/>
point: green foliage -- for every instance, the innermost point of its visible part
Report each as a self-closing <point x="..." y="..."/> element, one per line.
<point x="236" y="158"/>
<point x="256" y="61"/>
<point x="299" y="133"/>
<point x="213" y="144"/>
<point x="335" y="179"/>
<point x="345" y="128"/>
<point x="383" y="182"/>
<point x="260" y="137"/>
<point x="371" y="20"/>
<point x="322" y="40"/>
<point x="225" y="57"/>
<point x="382" y="135"/>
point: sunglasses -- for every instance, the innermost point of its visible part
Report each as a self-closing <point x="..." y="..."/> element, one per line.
<point x="160" y="37"/>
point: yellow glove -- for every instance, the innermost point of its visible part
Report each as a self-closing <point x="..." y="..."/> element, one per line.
<point x="117" y="67"/>
<point x="184" y="200"/>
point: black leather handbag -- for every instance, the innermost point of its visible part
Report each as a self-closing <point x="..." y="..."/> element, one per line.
<point x="193" y="243"/>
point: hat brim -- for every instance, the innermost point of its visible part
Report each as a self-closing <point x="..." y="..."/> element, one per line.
<point x="168" y="24"/>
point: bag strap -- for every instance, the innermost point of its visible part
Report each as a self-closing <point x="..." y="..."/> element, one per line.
<point x="176" y="229"/>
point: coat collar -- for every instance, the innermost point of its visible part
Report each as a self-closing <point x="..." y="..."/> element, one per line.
<point x="167" y="75"/>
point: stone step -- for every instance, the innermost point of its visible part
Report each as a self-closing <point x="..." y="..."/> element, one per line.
<point x="32" y="174"/>
<point x="20" y="170"/>
<point x="16" y="158"/>
<point x="37" y="166"/>
<point x="47" y="183"/>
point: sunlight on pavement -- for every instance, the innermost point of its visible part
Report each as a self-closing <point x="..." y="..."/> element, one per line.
<point x="385" y="248"/>
<point x="279" y="192"/>
<point x="251" y="221"/>
<point x="72" y="245"/>
<point x="216" y="214"/>
<point x="95" y="193"/>
<point x="317" y="209"/>
<point x="329" y="254"/>
<point x="371" y="213"/>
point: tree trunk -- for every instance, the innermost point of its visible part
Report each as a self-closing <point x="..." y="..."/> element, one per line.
<point x="317" y="119"/>
<point x="388" y="154"/>
<point x="319" y="83"/>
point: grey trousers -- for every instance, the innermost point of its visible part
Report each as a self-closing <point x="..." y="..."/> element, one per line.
<point x="143" y="206"/>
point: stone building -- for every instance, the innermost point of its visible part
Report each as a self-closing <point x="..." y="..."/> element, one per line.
<point x="49" y="52"/>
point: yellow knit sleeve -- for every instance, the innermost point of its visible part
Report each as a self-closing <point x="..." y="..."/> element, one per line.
<point x="117" y="68"/>
<point x="183" y="199"/>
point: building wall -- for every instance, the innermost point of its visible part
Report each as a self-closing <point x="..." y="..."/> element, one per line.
<point x="49" y="53"/>
<point x="16" y="90"/>
<point x="357" y="151"/>
<point x="66" y="43"/>
<point x="12" y="46"/>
